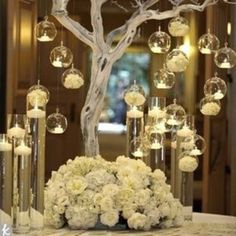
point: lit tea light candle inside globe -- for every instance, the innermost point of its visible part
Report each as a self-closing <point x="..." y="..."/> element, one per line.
<point x="156" y="48"/>
<point x="195" y="152"/>
<point x="138" y="153"/>
<point x="16" y="132"/>
<point x="22" y="150"/>
<point x="218" y="95"/>
<point x="44" y="38"/>
<point x="57" y="62"/>
<point x="58" y="130"/>
<point x="185" y="131"/>
<point x="134" y="113"/>
<point x="5" y="146"/>
<point x="156" y="112"/>
<point x="162" y="85"/>
<point x="225" y="65"/>
<point x="36" y="113"/>
<point x="205" y="51"/>
<point x="156" y="145"/>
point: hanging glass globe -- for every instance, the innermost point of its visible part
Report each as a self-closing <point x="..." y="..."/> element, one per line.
<point x="175" y="114"/>
<point x="156" y="140"/>
<point x="135" y="95"/>
<point x="45" y="30"/>
<point x="72" y="78"/>
<point x="159" y="42"/>
<point x="215" y="87"/>
<point x="187" y="162"/>
<point x="194" y="144"/>
<point x="178" y="26"/>
<point x="139" y="148"/>
<point x="225" y="57"/>
<point x="164" y="79"/>
<point x="177" y="61"/>
<point x="208" y="43"/>
<point x="61" y="56"/>
<point x="209" y="106"/>
<point x="38" y="95"/>
<point x="56" y="123"/>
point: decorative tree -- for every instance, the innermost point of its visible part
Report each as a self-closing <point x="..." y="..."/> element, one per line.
<point x="106" y="50"/>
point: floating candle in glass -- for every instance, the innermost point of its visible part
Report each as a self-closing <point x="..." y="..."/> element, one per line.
<point x="16" y="124"/>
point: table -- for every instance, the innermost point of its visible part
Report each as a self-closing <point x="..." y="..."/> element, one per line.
<point x="202" y="224"/>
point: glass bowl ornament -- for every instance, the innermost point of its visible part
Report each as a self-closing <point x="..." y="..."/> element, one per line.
<point x="178" y="26"/>
<point x="56" y="123"/>
<point x="194" y="144"/>
<point x="175" y="114"/>
<point x="61" y="56"/>
<point x="209" y="106"/>
<point x="187" y="162"/>
<point x="135" y="95"/>
<point x="177" y="61"/>
<point x="72" y="78"/>
<point x="45" y="30"/>
<point x="215" y="87"/>
<point x="159" y="42"/>
<point x="208" y="43"/>
<point x="225" y="57"/>
<point x="164" y="79"/>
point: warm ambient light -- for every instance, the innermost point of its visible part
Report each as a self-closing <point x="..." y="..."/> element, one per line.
<point x="186" y="47"/>
<point x="229" y="28"/>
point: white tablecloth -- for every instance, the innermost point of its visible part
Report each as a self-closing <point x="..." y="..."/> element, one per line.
<point x="202" y="224"/>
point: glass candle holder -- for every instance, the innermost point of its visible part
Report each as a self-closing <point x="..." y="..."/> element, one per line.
<point x="16" y="125"/>
<point x="209" y="106"/>
<point x="156" y="108"/>
<point x="21" y="185"/>
<point x="188" y="127"/>
<point x="178" y="26"/>
<point x="6" y="173"/>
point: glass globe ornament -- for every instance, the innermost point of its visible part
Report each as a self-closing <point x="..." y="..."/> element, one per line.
<point x="215" y="87"/>
<point x="134" y="95"/>
<point x="159" y="42"/>
<point x="38" y="95"/>
<point x="194" y="144"/>
<point x="139" y="147"/>
<point x="209" y="106"/>
<point x="208" y="43"/>
<point x="178" y="26"/>
<point x="156" y="140"/>
<point x="177" y="61"/>
<point x="164" y="79"/>
<point x="56" y="123"/>
<point x="72" y="78"/>
<point x="175" y="114"/>
<point x="45" y="30"/>
<point x="187" y="162"/>
<point x="225" y="57"/>
<point x="61" y="56"/>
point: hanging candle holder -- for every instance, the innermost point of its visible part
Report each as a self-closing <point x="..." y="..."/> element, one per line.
<point x="37" y="98"/>
<point x="178" y="26"/>
<point x="175" y="114"/>
<point x="164" y="79"/>
<point x="72" y="78"/>
<point x="187" y="162"/>
<point x="45" y="30"/>
<point x="225" y="57"/>
<point x="135" y="95"/>
<point x="159" y="42"/>
<point x="177" y="61"/>
<point x="215" y="87"/>
<point x="61" y="56"/>
<point x="209" y="106"/>
<point x="208" y="43"/>
<point x="56" y="123"/>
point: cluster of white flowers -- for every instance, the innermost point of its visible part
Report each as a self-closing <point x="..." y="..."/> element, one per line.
<point x="73" y="81"/>
<point x="87" y="191"/>
<point x="134" y="98"/>
<point x="37" y="97"/>
<point x="178" y="29"/>
<point x="178" y="63"/>
<point x="210" y="109"/>
<point x="188" y="164"/>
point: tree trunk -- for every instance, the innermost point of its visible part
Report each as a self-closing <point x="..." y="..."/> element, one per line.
<point x="92" y="109"/>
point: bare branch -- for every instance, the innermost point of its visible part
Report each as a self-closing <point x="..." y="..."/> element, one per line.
<point x="114" y="2"/>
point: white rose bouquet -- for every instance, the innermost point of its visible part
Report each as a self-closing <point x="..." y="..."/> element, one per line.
<point x="90" y="191"/>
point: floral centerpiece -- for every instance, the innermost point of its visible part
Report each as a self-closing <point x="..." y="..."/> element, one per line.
<point x="90" y="191"/>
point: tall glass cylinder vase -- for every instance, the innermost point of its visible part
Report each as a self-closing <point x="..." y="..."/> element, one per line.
<point x="6" y="174"/>
<point x="135" y="128"/>
<point x="37" y="129"/>
<point x="21" y="185"/>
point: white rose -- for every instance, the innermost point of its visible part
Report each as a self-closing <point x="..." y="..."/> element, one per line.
<point x="188" y="164"/>
<point x="164" y="209"/>
<point x="124" y="195"/>
<point x="76" y="186"/>
<point x="153" y="216"/>
<point x="110" y="189"/>
<point x="142" y="197"/>
<point x="137" y="221"/>
<point x="110" y="218"/>
<point x="106" y="204"/>
<point x="128" y="210"/>
<point x="210" y="109"/>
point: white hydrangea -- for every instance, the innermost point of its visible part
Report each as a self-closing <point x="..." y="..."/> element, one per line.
<point x="210" y="109"/>
<point x="73" y="81"/>
<point x="37" y="97"/>
<point x="178" y="29"/>
<point x="188" y="164"/>
<point x="86" y="191"/>
<point x="178" y="63"/>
